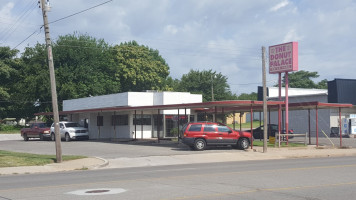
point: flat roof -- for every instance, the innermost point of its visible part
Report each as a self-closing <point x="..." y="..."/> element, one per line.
<point x="215" y="106"/>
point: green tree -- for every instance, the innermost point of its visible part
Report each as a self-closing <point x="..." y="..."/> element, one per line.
<point x="84" y="66"/>
<point x="245" y="96"/>
<point x="201" y="82"/>
<point x="9" y="66"/>
<point x="139" y="68"/>
<point x="303" y="79"/>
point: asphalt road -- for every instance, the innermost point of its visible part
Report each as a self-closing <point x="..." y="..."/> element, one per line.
<point x="322" y="178"/>
<point x="112" y="150"/>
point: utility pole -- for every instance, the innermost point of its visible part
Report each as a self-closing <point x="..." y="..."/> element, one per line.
<point x="212" y="89"/>
<point x="45" y="9"/>
<point x="264" y="100"/>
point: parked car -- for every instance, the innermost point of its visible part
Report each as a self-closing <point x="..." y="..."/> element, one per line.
<point x="334" y="132"/>
<point x="70" y="131"/>
<point x="271" y="131"/>
<point x="198" y="135"/>
<point x="37" y="130"/>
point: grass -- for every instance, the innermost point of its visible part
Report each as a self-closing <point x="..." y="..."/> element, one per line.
<point x="11" y="132"/>
<point x="9" y="129"/>
<point x="15" y="159"/>
<point x="283" y="144"/>
<point x="255" y="124"/>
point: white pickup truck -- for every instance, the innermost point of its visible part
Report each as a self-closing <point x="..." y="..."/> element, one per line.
<point x="70" y="131"/>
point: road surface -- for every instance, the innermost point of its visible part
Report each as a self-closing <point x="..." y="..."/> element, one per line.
<point x="321" y="178"/>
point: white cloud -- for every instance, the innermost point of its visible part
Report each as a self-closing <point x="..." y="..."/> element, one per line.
<point x="280" y="5"/>
<point x="224" y="35"/>
<point x="5" y="11"/>
<point x="292" y="36"/>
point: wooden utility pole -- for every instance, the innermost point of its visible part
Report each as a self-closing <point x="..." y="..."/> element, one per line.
<point x="53" y="82"/>
<point x="264" y="100"/>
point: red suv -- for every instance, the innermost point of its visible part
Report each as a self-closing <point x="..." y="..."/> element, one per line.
<point x="198" y="135"/>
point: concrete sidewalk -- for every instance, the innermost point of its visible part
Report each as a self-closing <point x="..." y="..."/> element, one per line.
<point x="79" y="164"/>
<point x="247" y="155"/>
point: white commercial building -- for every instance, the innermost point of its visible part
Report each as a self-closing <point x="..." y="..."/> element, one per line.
<point x="112" y="116"/>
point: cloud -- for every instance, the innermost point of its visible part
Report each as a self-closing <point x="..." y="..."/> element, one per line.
<point x="225" y="36"/>
<point x="292" y="36"/>
<point x="171" y="29"/>
<point x="279" y="6"/>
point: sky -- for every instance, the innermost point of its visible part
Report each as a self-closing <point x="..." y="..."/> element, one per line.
<point x="223" y="35"/>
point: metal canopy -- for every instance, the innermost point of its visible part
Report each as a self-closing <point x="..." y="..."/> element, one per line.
<point x="215" y="106"/>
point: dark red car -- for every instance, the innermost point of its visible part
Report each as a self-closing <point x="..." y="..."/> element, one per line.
<point x="37" y="130"/>
<point x="198" y="135"/>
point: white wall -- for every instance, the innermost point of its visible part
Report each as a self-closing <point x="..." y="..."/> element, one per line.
<point x="105" y="101"/>
<point x="140" y="99"/>
<point x="274" y="92"/>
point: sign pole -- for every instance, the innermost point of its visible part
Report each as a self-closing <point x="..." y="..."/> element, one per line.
<point x="279" y="108"/>
<point x="287" y="105"/>
<point x="264" y="100"/>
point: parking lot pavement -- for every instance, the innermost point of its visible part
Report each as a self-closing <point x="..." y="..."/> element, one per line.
<point x="151" y="153"/>
<point x="6" y="137"/>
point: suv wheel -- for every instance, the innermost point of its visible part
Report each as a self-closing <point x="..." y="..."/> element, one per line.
<point x="67" y="137"/>
<point x="53" y="137"/>
<point x="199" y="144"/>
<point x="243" y="143"/>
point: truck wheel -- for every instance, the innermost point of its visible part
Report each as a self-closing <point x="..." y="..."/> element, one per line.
<point x="25" y="138"/>
<point x="67" y="137"/>
<point x="199" y="144"/>
<point x="243" y="143"/>
<point x="53" y="137"/>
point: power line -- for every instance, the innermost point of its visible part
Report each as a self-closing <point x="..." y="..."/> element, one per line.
<point x="25" y="39"/>
<point x="60" y="19"/>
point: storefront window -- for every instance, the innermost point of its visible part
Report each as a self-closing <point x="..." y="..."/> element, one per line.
<point x="120" y="120"/>
<point x="142" y="120"/>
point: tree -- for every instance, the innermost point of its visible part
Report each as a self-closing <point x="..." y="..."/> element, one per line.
<point x="201" y="82"/>
<point x="9" y="66"/>
<point x="139" y="68"/>
<point x="245" y="96"/>
<point x="84" y="66"/>
<point x="302" y="79"/>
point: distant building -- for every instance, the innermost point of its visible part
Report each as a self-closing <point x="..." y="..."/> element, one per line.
<point x="339" y="91"/>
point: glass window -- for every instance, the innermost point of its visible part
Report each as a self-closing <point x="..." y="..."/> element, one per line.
<point x="70" y="125"/>
<point x="195" y="127"/>
<point x="209" y="128"/>
<point x="142" y="120"/>
<point x="223" y="128"/>
<point x="100" y="120"/>
<point x="120" y="120"/>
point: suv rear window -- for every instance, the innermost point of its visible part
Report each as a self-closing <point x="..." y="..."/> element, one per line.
<point x="195" y="127"/>
<point x="222" y="128"/>
<point x="209" y="128"/>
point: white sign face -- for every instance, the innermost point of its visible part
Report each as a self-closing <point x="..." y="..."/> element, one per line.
<point x="283" y="58"/>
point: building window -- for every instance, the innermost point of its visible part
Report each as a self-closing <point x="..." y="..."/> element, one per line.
<point x="120" y="120"/>
<point x="100" y="120"/>
<point x="142" y="120"/>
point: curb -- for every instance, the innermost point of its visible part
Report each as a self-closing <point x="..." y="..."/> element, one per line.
<point x="106" y="163"/>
